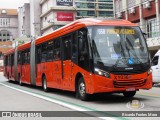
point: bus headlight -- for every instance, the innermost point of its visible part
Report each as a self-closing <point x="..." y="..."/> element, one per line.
<point x="102" y="73"/>
<point x="150" y="71"/>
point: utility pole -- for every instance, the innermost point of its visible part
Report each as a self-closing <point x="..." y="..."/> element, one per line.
<point x="96" y="8"/>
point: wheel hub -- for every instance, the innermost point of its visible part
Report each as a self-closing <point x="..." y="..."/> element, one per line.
<point x="82" y="89"/>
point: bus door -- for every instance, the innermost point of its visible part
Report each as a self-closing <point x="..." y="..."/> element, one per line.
<point x="12" y="66"/>
<point x="6" y="64"/>
<point x="38" y="65"/>
<point x="67" y="64"/>
<point x="25" y="75"/>
<point x="27" y="61"/>
<point x="57" y="64"/>
<point x="19" y="65"/>
<point x="9" y="67"/>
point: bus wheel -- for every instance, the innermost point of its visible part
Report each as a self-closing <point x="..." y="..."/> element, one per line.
<point x="82" y="90"/>
<point x="8" y="77"/>
<point x="19" y="80"/>
<point x="44" y="84"/>
<point x="129" y="94"/>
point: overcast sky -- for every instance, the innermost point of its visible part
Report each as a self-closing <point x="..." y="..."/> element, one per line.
<point x="12" y="3"/>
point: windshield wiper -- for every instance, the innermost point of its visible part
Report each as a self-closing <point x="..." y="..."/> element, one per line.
<point x="100" y="63"/>
<point x="135" y="57"/>
<point x="123" y="60"/>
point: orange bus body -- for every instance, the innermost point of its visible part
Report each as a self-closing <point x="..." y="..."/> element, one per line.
<point x="66" y="79"/>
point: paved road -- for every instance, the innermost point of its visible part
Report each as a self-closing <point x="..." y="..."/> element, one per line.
<point x="29" y="98"/>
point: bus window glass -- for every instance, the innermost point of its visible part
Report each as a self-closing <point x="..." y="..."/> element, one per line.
<point x="75" y="48"/>
<point x="38" y="54"/>
<point x="67" y="47"/>
<point x="44" y="52"/>
<point x="57" y="50"/>
<point x="83" y="59"/>
<point x="119" y="47"/>
<point x="23" y="57"/>
<point x="12" y="59"/>
<point x="4" y="60"/>
<point x="50" y="51"/>
<point x="19" y="58"/>
<point x="26" y="57"/>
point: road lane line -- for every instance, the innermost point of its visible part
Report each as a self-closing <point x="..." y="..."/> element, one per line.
<point x="63" y="103"/>
<point x="149" y="95"/>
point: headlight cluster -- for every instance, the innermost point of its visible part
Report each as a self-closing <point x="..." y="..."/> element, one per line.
<point x="150" y="71"/>
<point x="102" y="73"/>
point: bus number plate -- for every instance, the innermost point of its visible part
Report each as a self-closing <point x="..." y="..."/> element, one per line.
<point x="130" y="89"/>
<point x="122" y="77"/>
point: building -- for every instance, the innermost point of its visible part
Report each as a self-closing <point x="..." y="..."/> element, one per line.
<point x="94" y="8"/>
<point x="57" y="13"/>
<point x="29" y="22"/>
<point x="24" y="20"/>
<point x="8" y="31"/>
<point x="8" y="28"/>
<point x="146" y="13"/>
<point x="24" y="31"/>
<point x="35" y="12"/>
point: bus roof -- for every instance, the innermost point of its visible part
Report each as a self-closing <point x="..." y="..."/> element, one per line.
<point x="75" y="26"/>
<point x="20" y="47"/>
<point x="10" y="51"/>
<point x="82" y="23"/>
<point x="24" y="46"/>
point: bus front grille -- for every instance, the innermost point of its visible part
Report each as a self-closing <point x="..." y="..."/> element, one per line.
<point x="126" y="83"/>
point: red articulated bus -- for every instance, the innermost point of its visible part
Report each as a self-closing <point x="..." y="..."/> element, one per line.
<point x="87" y="56"/>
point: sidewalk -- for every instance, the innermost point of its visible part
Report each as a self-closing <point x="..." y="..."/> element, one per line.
<point x="1" y="73"/>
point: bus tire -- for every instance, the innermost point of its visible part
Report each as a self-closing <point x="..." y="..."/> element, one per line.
<point x="8" y="77"/>
<point x="44" y="84"/>
<point x="81" y="90"/>
<point x="129" y="94"/>
<point x="19" y="80"/>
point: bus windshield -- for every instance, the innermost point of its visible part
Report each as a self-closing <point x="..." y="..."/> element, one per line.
<point x="118" y="46"/>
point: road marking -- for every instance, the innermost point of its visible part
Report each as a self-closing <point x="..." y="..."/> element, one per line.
<point x="63" y="103"/>
<point x="149" y="95"/>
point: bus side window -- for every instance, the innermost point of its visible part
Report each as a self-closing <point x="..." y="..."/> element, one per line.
<point x="57" y="50"/>
<point x="5" y="60"/>
<point x="38" y="54"/>
<point x="23" y="57"/>
<point x="83" y="59"/>
<point x="44" y="52"/>
<point x="19" y="58"/>
<point x="29" y="56"/>
<point x="50" y="51"/>
<point x="67" y="47"/>
<point x="12" y="59"/>
<point x="26" y="57"/>
<point x="75" y="48"/>
<point x="9" y="60"/>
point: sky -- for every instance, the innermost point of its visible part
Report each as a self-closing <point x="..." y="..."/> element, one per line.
<point x="14" y="4"/>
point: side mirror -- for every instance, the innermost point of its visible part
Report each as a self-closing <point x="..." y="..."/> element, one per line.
<point x="144" y="34"/>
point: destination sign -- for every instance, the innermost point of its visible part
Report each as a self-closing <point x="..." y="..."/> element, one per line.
<point x="120" y="31"/>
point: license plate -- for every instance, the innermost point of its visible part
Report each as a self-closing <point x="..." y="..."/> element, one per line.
<point x="122" y="77"/>
<point x="130" y="89"/>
